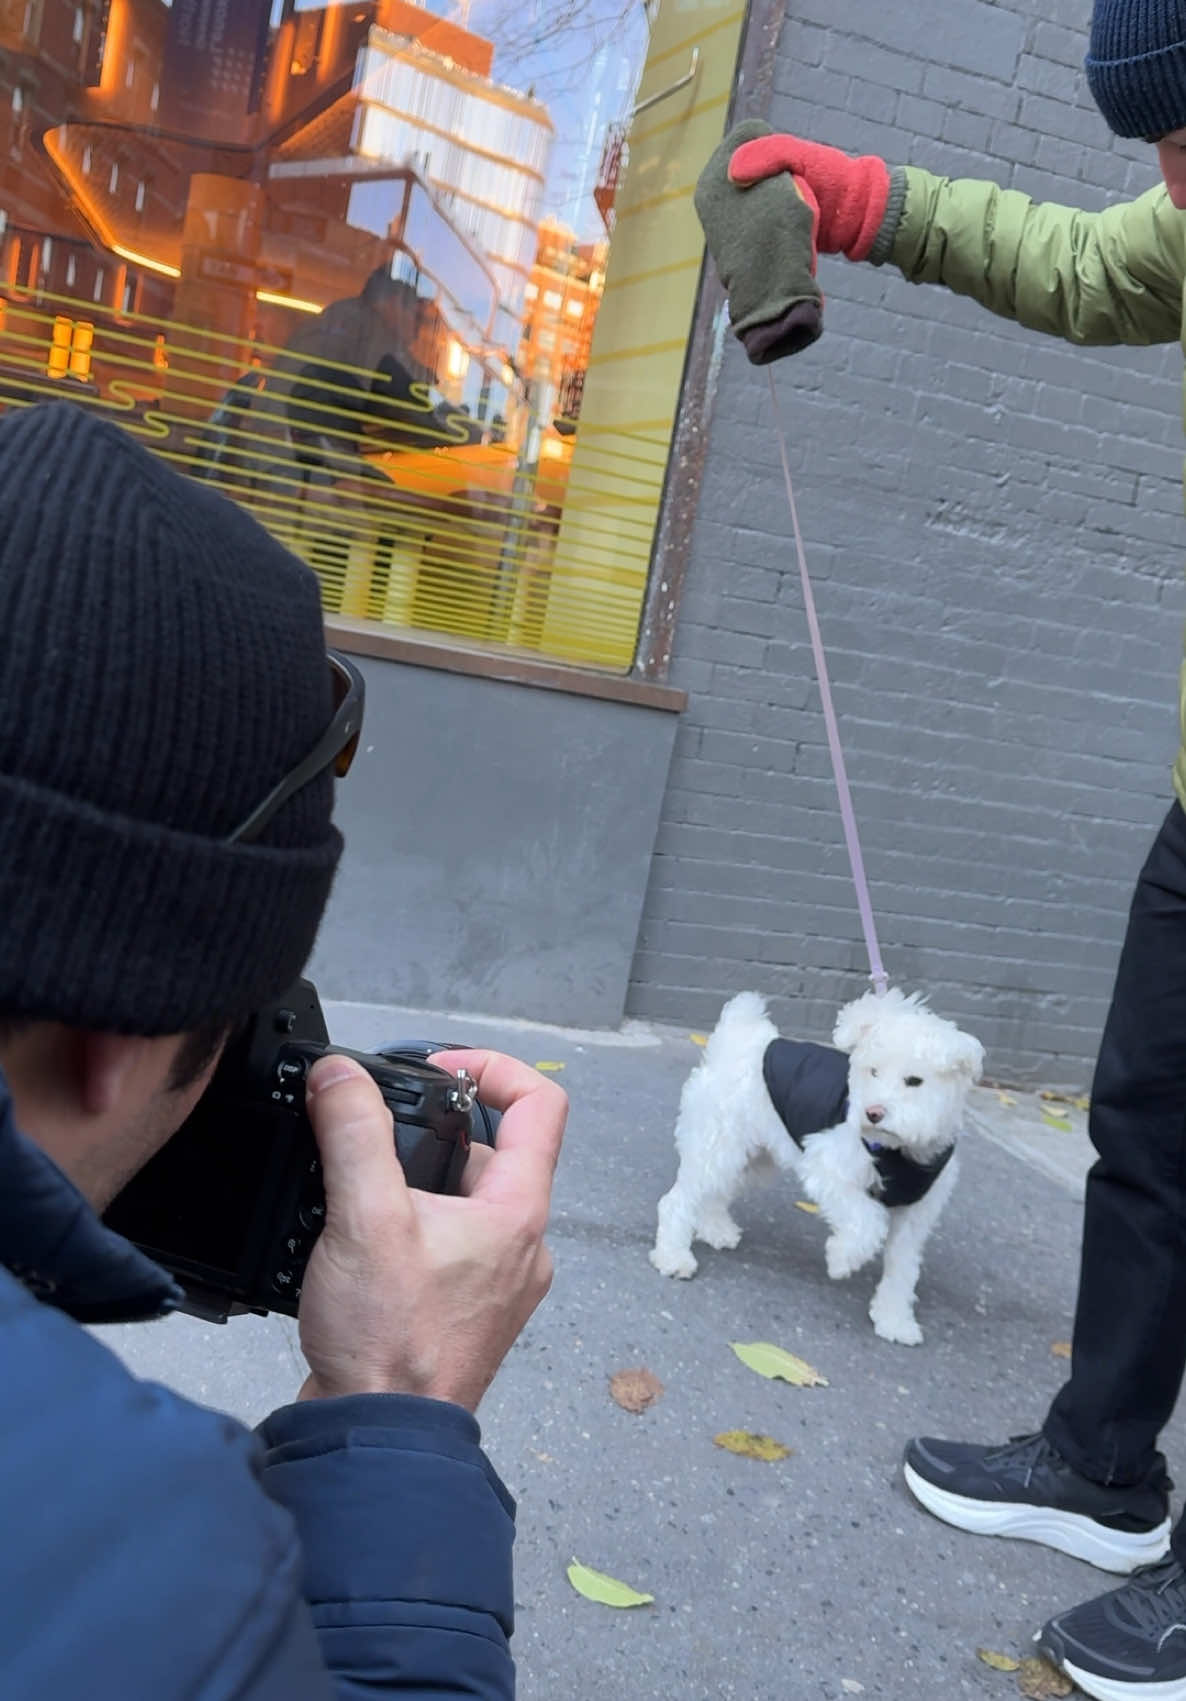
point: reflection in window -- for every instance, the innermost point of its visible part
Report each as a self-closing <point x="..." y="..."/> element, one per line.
<point x="354" y="264"/>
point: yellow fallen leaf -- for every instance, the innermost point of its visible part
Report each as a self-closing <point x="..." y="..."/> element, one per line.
<point x="998" y="1662"/>
<point x="750" y="1446"/>
<point x="606" y="1591"/>
<point x="698" y="1039"/>
<point x="550" y="1068"/>
<point x="771" y="1361"/>
<point x="1062" y="1123"/>
<point x="1007" y="1100"/>
<point x="1079" y="1100"/>
<point x="1038" y="1680"/>
<point x="806" y="1205"/>
<point x="1061" y="1349"/>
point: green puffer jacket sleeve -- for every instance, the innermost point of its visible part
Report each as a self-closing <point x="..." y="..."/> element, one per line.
<point x="1110" y="277"/>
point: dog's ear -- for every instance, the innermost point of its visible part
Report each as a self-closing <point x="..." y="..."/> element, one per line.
<point x="854" y="1022"/>
<point x="967" y="1056"/>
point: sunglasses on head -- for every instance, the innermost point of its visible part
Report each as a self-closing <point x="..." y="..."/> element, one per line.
<point x="335" y="748"/>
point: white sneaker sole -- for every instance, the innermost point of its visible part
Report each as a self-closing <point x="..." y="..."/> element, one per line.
<point x="1069" y="1532"/>
<point x="1110" y="1689"/>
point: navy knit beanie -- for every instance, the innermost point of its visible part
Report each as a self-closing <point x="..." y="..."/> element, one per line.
<point x="163" y="667"/>
<point x="1136" y="65"/>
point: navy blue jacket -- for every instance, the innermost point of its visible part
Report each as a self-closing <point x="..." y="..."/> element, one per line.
<point x="156" y="1551"/>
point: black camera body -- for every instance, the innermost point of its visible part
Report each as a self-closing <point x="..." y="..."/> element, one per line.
<point x="232" y="1205"/>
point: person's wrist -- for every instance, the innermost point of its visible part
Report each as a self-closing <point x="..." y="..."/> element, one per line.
<point x="313" y="1388"/>
<point x="448" y="1393"/>
<point x="882" y="246"/>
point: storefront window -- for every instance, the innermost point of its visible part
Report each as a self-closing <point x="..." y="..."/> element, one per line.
<point x="409" y="282"/>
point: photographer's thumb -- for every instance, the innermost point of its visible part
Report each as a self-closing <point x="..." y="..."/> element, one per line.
<point x="364" y="1184"/>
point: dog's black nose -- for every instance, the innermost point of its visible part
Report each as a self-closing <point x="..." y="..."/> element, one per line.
<point x="875" y="1114"/>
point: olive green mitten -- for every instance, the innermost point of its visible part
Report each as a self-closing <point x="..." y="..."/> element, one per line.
<point x="763" y="241"/>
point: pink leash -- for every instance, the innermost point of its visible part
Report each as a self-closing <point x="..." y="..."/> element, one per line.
<point x="852" y="838"/>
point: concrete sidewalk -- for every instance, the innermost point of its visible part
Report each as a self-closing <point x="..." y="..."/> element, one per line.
<point x="814" y="1577"/>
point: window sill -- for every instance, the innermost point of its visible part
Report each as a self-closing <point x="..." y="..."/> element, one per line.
<point x="359" y="637"/>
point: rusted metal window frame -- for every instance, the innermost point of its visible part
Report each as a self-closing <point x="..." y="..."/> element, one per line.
<point x="672" y="549"/>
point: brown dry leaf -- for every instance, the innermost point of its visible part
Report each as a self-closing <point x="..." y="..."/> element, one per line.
<point x="998" y="1662"/>
<point x="635" y="1390"/>
<point x="1038" y="1680"/>
<point x="806" y="1205"/>
<point x="750" y="1446"/>
<point x="1061" y="1349"/>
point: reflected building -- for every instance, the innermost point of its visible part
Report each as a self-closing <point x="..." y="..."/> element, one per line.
<point x="563" y="296"/>
<point x="230" y="176"/>
<point x="481" y="147"/>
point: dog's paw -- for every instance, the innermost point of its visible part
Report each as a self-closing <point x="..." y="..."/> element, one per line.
<point x="681" y="1264"/>
<point x="842" y="1258"/>
<point x="900" y="1328"/>
<point x="721" y="1233"/>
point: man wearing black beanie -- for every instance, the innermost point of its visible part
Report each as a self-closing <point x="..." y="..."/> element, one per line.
<point x="1091" y="1482"/>
<point x="169" y="723"/>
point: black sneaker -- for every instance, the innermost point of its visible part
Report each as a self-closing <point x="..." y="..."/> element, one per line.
<point x="1028" y="1490"/>
<point x="1129" y="1643"/>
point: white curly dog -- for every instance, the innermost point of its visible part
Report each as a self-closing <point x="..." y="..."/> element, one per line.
<point x="870" y="1134"/>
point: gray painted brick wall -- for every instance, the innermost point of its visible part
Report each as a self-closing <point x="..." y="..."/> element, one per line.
<point x="994" y="524"/>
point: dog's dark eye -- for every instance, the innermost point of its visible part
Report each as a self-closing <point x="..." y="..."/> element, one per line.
<point x="914" y="1080"/>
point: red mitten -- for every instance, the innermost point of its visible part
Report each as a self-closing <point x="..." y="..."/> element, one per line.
<point x="852" y="193"/>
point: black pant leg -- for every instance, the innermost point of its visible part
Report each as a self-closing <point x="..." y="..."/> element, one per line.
<point x="1130" y="1323"/>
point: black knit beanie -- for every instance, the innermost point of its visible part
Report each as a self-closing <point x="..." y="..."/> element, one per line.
<point x="1136" y="65"/>
<point x="163" y="667"/>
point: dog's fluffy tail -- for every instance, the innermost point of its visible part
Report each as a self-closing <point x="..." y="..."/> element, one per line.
<point x="740" y="1016"/>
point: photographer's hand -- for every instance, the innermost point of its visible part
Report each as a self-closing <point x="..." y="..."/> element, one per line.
<point x="421" y="1293"/>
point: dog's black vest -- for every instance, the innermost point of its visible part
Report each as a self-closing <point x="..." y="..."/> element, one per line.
<point x="808" y="1087"/>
